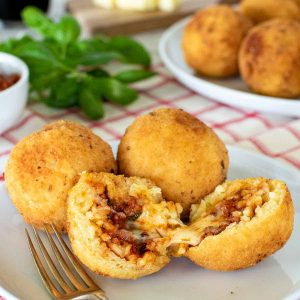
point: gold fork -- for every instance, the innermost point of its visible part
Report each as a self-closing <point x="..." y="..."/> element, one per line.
<point x="76" y="284"/>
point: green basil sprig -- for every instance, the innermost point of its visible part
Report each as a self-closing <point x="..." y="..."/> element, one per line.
<point x="67" y="71"/>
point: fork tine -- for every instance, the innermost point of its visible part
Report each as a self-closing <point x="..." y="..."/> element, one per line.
<point x="45" y="278"/>
<point x="84" y="276"/>
<point x="51" y="265"/>
<point x="62" y="262"/>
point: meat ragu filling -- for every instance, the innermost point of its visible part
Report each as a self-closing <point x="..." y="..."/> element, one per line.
<point x="117" y="231"/>
<point x="229" y="206"/>
<point x="133" y="229"/>
<point x="122" y="217"/>
<point x="137" y="229"/>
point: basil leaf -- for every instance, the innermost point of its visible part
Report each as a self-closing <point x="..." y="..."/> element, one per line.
<point x="12" y="45"/>
<point x="37" y="53"/>
<point x="64" y="93"/>
<point x="89" y="54"/>
<point x="98" y="72"/>
<point x="79" y="50"/>
<point x="67" y="30"/>
<point x="91" y="104"/>
<point x="95" y="58"/>
<point x="39" y="81"/>
<point x="133" y="51"/>
<point x="133" y="75"/>
<point x="116" y="92"/>
<point x="34" y="18"/>
<point x="93" y="44"/>
<point x="51" y="101"/>
<point x="57" y="49"/>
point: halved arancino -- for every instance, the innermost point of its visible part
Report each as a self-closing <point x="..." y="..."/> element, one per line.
<point x="241" y="223"/>
<point x="121" y="227"/>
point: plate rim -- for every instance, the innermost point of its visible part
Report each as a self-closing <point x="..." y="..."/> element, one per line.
<point x="175" y="70"/>
<point x="231" y="149"/>
<point x="289" y="167"/>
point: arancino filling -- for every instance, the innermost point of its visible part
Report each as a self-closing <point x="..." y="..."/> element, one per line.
<point x="132" y="228"/>
<point x="230" y="204"/>
<point x="117" y="231"/>
<point x="236" y="204"/>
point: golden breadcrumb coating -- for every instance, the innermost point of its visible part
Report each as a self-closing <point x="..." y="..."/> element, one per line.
<point x="44" y="165"/>
<point x="120" y="227"/>
<point x="241" y="223"/>
<point x="269" y="58"/>
<point x="211" y="40"/>
<point x="178" y="152"/>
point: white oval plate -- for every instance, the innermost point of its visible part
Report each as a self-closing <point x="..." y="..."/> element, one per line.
<point x="277" y="277"/>
<point x="232" y="91"/>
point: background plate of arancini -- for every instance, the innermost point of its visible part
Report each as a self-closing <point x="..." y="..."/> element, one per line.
<point x="277" y="277"/>
<point x="231" y="91"/>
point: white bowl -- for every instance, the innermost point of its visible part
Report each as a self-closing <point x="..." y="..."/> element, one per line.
<point x="13" y="99"/>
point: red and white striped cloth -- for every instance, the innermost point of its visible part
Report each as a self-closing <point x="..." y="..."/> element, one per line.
<point x="272" y="135"/>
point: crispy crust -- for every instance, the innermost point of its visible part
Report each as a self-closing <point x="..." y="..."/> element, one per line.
<point x="275" y="40"/>
<point x="44" y="165"/>
<point x="211" y="40"/>
<point x="175" y="150"/>
<point x="246" y="244"/>
<point x="89" y="222"/>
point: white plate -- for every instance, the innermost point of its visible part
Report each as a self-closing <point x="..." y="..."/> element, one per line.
<point x="276" y="277"/>
<point x="231" y="91"/>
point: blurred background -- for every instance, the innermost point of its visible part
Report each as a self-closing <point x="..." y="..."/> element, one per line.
<point x="10" y="9"/>
<point x="94" y="18"/>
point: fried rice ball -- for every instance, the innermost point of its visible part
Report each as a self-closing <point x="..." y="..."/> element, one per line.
<point x="259" y="11"/>
<point x="44" y="165"/>
<point x="120" y="227"/>
<point x="269" y="58"/>
<point x="241" y="223"/>
<point x="178" y="152"/>
<point x="211" y="40"/>
<point x="123" y="228"/>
